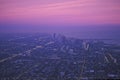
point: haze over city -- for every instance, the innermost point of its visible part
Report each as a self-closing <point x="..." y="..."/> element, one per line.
<point x="77" y="18"/>
<point x="59" y="39"/>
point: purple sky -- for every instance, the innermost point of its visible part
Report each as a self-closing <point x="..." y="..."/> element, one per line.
<point x="36" y="15"/>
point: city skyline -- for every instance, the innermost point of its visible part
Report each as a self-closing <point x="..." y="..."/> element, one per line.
<point x="76" y="17"/>
<point x="59" y="39"/>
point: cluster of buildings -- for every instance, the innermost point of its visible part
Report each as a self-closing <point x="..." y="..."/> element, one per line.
<point x="57" y="57"/>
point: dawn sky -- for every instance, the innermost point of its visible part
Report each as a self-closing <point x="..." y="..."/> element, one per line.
<point x="59" y="12"/>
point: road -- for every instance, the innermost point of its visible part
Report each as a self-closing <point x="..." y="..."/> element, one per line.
<point x="26" y="52"/>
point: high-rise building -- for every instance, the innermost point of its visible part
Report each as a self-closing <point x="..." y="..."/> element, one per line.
<point x="85" y="46"/>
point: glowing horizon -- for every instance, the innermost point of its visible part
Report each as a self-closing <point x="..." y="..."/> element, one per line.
<point x="61" y="12"/>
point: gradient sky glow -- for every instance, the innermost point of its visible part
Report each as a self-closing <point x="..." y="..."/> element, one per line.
<point x="60" y="12"/>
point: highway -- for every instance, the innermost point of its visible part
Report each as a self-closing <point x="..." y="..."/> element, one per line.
<point x="26" y="52"/>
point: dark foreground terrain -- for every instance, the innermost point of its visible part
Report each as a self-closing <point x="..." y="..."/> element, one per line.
<point x="56" y="57"/>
